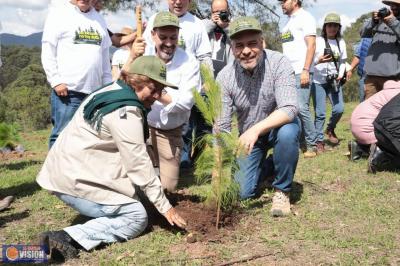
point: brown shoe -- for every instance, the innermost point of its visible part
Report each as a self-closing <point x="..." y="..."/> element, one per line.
<point x="280" y="204"/>
<point x="332" y="136"/>
<point x="320" y="147"/>
<point x="309" y="153"/>
<point x="6" y="202"/>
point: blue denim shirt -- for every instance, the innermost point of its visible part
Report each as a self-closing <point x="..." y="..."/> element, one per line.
<point x="361" y="52"/>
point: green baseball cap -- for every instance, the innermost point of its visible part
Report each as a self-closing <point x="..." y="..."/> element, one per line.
<point x="242" y="24"/>
<point x="151" y="67"/>
<point x="332" y="18"/>
<point x="165" y="18"/>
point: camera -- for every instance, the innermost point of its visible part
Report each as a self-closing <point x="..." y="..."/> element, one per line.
<point x="224" y="16"/>
<point x="331" y="79"/>
<point x="383" y="12"/>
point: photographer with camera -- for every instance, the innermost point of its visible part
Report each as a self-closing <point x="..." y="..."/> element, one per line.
<point x="329" y="77"/>
<point x="217" y="29"/>
<point x="382" y="61"/>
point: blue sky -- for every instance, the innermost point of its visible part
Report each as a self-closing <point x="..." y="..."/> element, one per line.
<point x="23" y="17"/>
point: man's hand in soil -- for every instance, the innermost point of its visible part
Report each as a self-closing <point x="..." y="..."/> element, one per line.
<point x="61" y="90"/>
<point x="174" y="218"/>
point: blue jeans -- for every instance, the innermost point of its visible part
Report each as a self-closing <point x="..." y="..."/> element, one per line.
<point x="361" y="91"/>
<point x="112" y="223"/>
<point x="197" y="126"/>
<point x="303" y="96"/>
<point x="319" y="93"/>
<point x="62" y="111"/>
<point x="285" y="142"/>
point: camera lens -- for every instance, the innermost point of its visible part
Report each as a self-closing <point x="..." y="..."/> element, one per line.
<point x="383" y="12"/>
<point x="224" y="16"/>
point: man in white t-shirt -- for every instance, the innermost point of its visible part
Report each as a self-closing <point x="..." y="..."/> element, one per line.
<point x="75" y="57"/>
<point x="298" y="42"/>
<point x="172" y="110"/>
<point x="194" y="40"/>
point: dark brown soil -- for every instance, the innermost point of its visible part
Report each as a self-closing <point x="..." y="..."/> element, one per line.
<point x="200" y="219"/>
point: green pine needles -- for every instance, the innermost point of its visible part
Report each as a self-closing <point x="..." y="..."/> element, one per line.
<point x="217" y="160"/>
<point x="8" y="135"/>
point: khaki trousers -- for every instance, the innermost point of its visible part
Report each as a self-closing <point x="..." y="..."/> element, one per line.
<point x="165" y="152"/>
<point x="373" y="84"/>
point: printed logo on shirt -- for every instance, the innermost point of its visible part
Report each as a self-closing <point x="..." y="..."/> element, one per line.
<point x="87" y="36"/>
<point x="163" y="72"/>
<point x="336" y="55"/>
<point x="287" y="37"/>
<point x="181" y="43"/>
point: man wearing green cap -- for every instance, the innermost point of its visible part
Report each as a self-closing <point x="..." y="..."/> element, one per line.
<point x="194" y="40"/>
<point x="100" y="160"/>
<point x="383" y="60"/>
<point x="260" y="86"/>
<point x="172" y="110"/>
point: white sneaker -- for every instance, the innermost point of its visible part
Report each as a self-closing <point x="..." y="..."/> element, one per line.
<point x="280" y="204"/>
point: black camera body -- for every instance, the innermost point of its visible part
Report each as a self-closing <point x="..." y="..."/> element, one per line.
<point x="331" y="77"/>
<point x="331" y="80"/>
<point x="383" y="12"/>
<point x="224" y="16"/>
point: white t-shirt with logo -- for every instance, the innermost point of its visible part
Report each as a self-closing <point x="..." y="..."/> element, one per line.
<point x="300" y="25"/>
<point x="193" y="37"/>
<point x="321" y="71"/>
<point x="75" y="49"/>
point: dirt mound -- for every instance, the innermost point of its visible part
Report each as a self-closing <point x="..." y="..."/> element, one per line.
<point x="200" y="218"/>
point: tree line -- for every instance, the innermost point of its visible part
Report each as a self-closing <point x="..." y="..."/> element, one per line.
<point x="24" y="91"/>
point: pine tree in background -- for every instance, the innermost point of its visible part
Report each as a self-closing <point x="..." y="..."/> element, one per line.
<point x="8" y="135"/>
<point x="217" y="160"/>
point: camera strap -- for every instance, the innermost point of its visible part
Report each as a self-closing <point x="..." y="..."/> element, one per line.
<point x="327" y="45"/>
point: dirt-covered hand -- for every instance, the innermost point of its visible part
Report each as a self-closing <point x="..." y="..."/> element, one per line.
<point x="174" y="218"/>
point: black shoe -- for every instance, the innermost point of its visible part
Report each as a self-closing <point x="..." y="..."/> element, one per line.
<point x="59" y="245"/>
<point x="379" y="160"/>
<point x="357" y="151"/>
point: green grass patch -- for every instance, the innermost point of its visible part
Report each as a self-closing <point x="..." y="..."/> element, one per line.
<point x="342" y="216"/>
